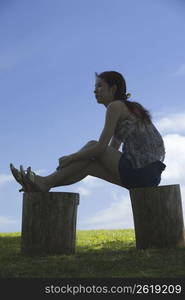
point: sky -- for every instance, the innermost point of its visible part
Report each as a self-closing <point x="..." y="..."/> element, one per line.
<point x="49" y="53"/>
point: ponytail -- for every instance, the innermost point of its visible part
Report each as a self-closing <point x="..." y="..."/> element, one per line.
<point x="138" y="110"/>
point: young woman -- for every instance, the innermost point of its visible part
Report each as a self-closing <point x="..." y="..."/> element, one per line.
<point x="140" y="163"/>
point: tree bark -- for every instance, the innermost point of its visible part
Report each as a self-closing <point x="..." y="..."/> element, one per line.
<point x="49" y="222"/>
<point x="158" y="217"/>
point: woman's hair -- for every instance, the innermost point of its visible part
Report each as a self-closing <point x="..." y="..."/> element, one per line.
<point x="115" y="78"/>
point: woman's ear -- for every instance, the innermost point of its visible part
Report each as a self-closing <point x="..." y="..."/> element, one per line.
<point x="114" y="89"/>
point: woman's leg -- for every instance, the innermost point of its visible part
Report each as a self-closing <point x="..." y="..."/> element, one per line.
<point x="65" y="176"/>
<point x="104" y="167"/>
<point x="75" y="172"/>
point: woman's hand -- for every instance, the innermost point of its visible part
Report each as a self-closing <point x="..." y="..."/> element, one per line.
<point x="64" y="161"/>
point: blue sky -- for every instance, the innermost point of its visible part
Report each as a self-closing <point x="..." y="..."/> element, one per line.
<point x="50" y="50"/>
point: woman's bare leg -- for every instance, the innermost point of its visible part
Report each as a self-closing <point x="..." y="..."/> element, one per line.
<point x="104" y="167"/>
<point x="75" y="172"/>
<point x="70" y="174"/>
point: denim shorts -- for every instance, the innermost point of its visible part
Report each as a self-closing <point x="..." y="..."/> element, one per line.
<point x="147" y="176"/>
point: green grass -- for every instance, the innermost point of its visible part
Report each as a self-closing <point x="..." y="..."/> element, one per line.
<point x="99" y="254"/>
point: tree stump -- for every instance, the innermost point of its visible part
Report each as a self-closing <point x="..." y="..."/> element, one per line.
<point x="158" y="217"/>
<point x="49" y="222"/>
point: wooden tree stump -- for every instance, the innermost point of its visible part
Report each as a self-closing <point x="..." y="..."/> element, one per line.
<point x="158" y="217"/>
<point x="49" y="222"/>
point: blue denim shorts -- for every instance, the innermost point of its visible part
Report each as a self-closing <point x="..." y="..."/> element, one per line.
<point x="148" y="176"/>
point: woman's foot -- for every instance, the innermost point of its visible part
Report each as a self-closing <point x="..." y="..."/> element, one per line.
<point x="33" y="182"/>
<point x="18" y="177"/>
<point x="29" y="180"/>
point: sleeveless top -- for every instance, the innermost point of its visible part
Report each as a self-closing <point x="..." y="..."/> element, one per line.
<point x="142" y="143"/>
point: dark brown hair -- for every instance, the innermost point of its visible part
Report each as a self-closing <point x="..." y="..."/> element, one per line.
<point x="115" y="78"/>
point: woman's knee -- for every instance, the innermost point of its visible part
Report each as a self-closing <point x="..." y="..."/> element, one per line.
<point x="91" y="142"/>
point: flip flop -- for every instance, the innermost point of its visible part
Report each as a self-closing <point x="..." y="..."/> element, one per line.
<point x="17" y="175"/>
<point x="28" y="180"/>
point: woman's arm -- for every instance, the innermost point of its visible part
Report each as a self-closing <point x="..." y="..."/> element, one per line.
<point x="112" y="116"/>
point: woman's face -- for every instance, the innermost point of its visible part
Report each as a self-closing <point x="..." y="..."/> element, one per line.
<point x="103" y="93"/>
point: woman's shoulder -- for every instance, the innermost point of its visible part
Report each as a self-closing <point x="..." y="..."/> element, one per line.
<point x="120" y="106"/>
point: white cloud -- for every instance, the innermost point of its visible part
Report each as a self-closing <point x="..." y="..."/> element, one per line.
<point x="83" y="191"/>
<point x="117" y="215"/>
<point x="180" y="71"/>
<point x="175" y="159"/>
<point x="8" y="224"/>
<point x="88" y="185"/>
<point x="7" y="220"/>
<point x="173" y="123"/>
<point x="182" y="189"/>
<point x="4" y="178"/>
<point x="175" y="162"/>
<point x="92" y="182"/>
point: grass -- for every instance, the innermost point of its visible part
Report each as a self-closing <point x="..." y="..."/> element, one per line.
<point x="99" y="254"/>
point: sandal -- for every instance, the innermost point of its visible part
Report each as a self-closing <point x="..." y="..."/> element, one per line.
<point x="18" y="177"/>
<point x="28" y="180"/>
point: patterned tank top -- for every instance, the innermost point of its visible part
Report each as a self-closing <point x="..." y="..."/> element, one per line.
<point x="142" y="142"/>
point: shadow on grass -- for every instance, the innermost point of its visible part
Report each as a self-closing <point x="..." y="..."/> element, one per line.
<point x="93" y="259"/>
